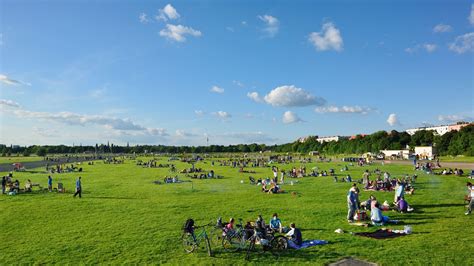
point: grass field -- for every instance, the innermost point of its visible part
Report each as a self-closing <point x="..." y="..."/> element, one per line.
<point x="466" y="159"/>
<point x="124" y="218"/>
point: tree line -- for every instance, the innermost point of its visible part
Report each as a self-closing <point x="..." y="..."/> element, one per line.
<point x="452" y="143"/>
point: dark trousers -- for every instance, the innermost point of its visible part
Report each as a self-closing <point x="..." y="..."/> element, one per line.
<point x="78" y="192"/>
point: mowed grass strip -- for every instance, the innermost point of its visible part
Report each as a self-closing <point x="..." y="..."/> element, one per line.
<point x="124" y="218"/>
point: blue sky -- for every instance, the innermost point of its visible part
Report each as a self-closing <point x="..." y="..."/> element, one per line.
<point x="161" y="72"/>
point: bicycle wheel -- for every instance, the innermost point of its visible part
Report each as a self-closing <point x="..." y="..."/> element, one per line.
<point x="279" y="243"/>
<point x="208" y="246"/>
<point x="232" y="243"/>
<point x="188" y="242"/>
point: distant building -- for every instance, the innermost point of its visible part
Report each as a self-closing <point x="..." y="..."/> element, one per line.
<point x="425" y="152"/>
<point x="403" y="154"/>
<point x="313" y="153"/>
<point x="439" y="130"/>
<point x="355" y="136"/>
<point x="329" y="139"/>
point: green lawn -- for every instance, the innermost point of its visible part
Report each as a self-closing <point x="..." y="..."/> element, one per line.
<point x="124" y="218"/>
<point x="460" y="158"/>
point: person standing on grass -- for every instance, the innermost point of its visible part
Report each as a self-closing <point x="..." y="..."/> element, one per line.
<point x="78" y="188"/>
<point x="4" y="184"/>
<point x="470" y="188"/>
<point x="50" y="183"/>
<point x="352" y="205"/>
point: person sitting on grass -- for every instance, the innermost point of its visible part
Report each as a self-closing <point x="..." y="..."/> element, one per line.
<point x="402" y="205"/>
<point x="275" y="223"/>
<point x="296" y="238"/>
<point x="28" y="186"/>
<point x="376" y="214"/>
<point x="229" y="228"/>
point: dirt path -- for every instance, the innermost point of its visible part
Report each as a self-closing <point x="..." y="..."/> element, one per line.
<point x="7" y="167"/>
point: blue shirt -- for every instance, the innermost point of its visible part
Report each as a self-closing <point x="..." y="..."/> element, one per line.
<point x="78" y="183"/>
<point x="50" y="181"/>
<point x="275" y="223"/>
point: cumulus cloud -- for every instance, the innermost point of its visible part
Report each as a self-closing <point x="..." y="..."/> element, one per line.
<point x="177" y="32"/>
<point x="343" y="109"/>
<point x="254" y="96"/>
<point x="428" y="47"/>
<point x="199" y="112"/>
<point x="217" y="89"/>
<point x="222" y="115"/>
<point x="454" y="118"/>
<point x="272" y="25"/>
<point x="289" y="96"/>
<point x="463" y="43"/>
<point x="471" y="16"/>
<point x="9" y="81"/>
<point x="167" y="13"/>
<point x="289" y="117"/>
<point x="329" y="38"/>
<point x="440" y="28"/>
<point x="392" y="120"/>
<point x="143" y="18"/>
<point x="9" y="103"/>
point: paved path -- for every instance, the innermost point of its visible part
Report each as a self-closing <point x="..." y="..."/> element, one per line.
<point x="7" y="167"/>
<point x="443" y="164"/>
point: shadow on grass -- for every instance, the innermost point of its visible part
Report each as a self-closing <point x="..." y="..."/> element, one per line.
<point x="112" y="198"/>
<point x="442" y="205"/>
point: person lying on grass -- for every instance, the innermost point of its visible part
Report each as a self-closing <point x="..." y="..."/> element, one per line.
<point x="376" y="214"/>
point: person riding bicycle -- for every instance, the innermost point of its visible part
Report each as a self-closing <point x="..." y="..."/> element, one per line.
<point x="296" y="237"/>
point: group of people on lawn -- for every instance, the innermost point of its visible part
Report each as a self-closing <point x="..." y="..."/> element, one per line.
<point x="293" y="234"/>
<point x="14" y="186"/>
<point x="375" y="207"/>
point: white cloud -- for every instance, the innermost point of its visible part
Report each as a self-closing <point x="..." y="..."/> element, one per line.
<point x="244" y="23"/>
<point x="238" y="83"/>
<point x="68" y="118"/>
<point x="9" y="81"/>
<point x="291" y="96"/>
<point x="217" y="89"/>
<point x="289" y="117"/>
<point x="428" y="47"/>
<point x="143" y="18"/>
<point x="9" y="103"/>
<point x="48" y="133"/>
<point x="471" y="16"/>
<point x="454" y="118"/>
<point x="442" y="28"/>
<point x="392" y="120"/>
<point x="272" y="25"/>
<point x="168" y="12"/>
<point x="344" y="109"/>
<point x="178" y="32"/>
<point x="463" y="43"/>
<point x="184" y="134"/>
<point x="222" y="115"/>
<point x="199" y="112"/>
<point x="329" y="38"/>
<point x="255" y="97"/>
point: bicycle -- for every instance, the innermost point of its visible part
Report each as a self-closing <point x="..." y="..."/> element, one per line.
<point x="268" y="242"/>
<point x="191" y="241"/>
<point x="235" y="240"/>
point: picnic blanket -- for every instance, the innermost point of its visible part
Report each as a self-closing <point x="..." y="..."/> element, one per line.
<point x="306" y="244"/>
<point x="381" y="234"/>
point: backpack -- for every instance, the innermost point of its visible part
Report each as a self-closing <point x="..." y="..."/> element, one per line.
<point x="188" y="226"/>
